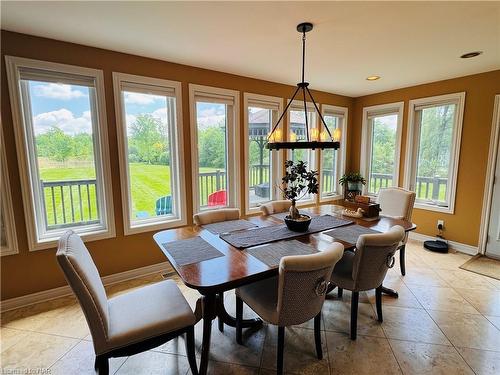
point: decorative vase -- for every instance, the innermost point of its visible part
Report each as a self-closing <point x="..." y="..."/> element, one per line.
<point x="295" y="221"/>
<point x="354" y="186"/>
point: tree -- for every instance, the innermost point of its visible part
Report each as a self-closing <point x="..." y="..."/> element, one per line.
<point x="55" y="144"/>
<point x="212" y="147"/>
<point x="146" y="138"/>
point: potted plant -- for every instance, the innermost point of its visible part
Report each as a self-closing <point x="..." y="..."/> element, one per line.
<point x="296" y="183"/>
<point x="353" y="180"/>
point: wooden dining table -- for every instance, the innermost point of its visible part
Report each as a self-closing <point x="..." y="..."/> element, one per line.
<point x="211" y="278"/>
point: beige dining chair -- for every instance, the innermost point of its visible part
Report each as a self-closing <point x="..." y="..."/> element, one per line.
<point x="397" y="203"/>
<point x="294" y="296"/>
<point x="275" y="207"/>
<point x="215" y="216"/>
<point x="365" y="268"/>
<point x="130" y="323"/>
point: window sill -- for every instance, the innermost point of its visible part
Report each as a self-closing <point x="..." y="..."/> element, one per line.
<point x="51" y="242"/>
<point x="331" y="198"/>
<point x="153" y="226"/>
<point x="431" y="207"/>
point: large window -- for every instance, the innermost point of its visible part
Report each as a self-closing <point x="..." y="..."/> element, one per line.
<point x="61" y="136"/>
<point x="433" y="144"/>
<point x="297" y="132"/>
<point x="215" y="157"/>
<point x="148" y="111"/>
<point x="381" y="143"/>
<point x="8" y="239"/>
<point x="261" y="114"/>
<point x="333" y="161"/>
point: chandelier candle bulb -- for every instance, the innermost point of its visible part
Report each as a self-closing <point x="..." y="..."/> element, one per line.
<point x="323" y="136"/>
<point x="293" y="137"/>
<point x="314" y="134"/>
<point x="336" y="135"/>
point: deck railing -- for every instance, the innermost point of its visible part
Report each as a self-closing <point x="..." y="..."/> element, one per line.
<point x="428" y="188"/>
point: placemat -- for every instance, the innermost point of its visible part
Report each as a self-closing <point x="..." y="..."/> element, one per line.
<point x="229" y="226"/>
<point x="271" y="254"/>
<point x="260" y="236"/>
<point x="351" y="233"/>
<point x="192" y="250"/>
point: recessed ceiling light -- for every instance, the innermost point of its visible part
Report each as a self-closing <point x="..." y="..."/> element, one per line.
<point x="468" y="55"/>
<point x="372" y="78"/>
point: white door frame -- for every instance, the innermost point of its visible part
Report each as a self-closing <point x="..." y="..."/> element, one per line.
<point x="490" y="174"/>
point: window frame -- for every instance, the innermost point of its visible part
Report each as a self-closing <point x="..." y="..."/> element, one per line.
<point x="412" y="146"/>
<point x="276" y="161"/>
<point x="298" y="105"/>
<point x="156" y="86"/>
<point x="233" y="137"/>
<point x="396" y="108"/>
<point x="6" y="202"/>
<point x="37" y="239"/>
<point x="333" y="110"/>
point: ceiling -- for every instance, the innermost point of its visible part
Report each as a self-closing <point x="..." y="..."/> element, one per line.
<point x="406" y="43"/>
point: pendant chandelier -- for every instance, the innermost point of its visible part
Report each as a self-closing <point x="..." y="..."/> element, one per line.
<point x="314" y="138"/>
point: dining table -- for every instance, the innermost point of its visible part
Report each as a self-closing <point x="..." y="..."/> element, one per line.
<point x="236" y="267"/>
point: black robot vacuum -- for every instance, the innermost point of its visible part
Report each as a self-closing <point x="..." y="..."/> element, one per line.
<point x="439" y="245"/>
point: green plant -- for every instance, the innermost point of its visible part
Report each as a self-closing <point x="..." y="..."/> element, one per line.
<point x="298" y="181"/>
<point x="352" y="177"/>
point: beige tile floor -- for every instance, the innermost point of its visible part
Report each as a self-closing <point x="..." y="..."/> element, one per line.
<point x="446" y="321"/>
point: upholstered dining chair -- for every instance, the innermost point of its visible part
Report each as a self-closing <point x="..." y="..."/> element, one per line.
<point x="365" y="268"/>
<point x="397" y="203"/>
<point x="129" y="323"/>
<point x="275" y="207"/>
<point x="294" y="296"/>
<point x="215" y="216"/>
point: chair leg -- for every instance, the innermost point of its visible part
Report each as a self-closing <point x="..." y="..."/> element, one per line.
<point x="317" y="336"/>
<point x="190" y="350"/>
<point x="220" y="321"/>
<point x="281" y="347"/>
<point x="402" y="260"/>
<point x="239" y="319"/>
<point x="354" y="315"/>
<point x="378" y="302"/>
<point x="339" y="292"/>
<point x="101" y="365"/>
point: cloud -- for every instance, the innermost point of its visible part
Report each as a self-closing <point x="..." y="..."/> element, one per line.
<point x="161" y="114"/>
<point x="142" y="99"/>
<point x="57" y="91"/>
<point x="65" y="120"/>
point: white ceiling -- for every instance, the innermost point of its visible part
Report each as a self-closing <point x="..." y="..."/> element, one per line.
<point x="405" y="43"/>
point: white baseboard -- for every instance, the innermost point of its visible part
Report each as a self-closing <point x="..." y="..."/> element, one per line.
<point x="30" y="299"/>
<point x="461" y="247"/>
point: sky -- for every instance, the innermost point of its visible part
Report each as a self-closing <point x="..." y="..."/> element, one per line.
<point x="68" y="107"/>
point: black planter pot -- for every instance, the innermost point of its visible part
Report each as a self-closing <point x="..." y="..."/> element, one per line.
<point x="298" y="225"/>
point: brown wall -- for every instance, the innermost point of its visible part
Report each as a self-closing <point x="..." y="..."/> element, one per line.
<point x="480" y="89"/>
<point x="29" y="272"/>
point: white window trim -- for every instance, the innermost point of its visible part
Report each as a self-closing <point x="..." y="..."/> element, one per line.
<point x="12" y="65"/>
<point x="8" y="210"/>
<point x="298" y="105"/>
<point x="233" y="157"/>
<point x="411" y="148"/>
<point x="328" y="110"/>
<point x="155" y="223"/>
<point x="276" y="161"/>
<point x="366" y="133"/>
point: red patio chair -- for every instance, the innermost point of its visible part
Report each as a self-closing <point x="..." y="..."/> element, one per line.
<point x="217" y="198"/>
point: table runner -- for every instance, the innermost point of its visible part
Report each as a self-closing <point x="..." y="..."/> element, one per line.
<point x="351" y="233"/>
<point x="229" y="226"/>
<point x="192" y="250"/>
<point x="271" y="254"/>
<point x="260" y="236"/>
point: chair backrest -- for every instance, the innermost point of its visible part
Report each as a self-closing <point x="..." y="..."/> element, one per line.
<point x="275" y="207"/>
<point x="217" y="198"/>
<point x="373" y="256"/>
<point x="83" y="278"/>
<point x="303" y="280"/>
<point x="396" y="202"/>
<point x="214" y="216"/>
<point x="164" y="205"/>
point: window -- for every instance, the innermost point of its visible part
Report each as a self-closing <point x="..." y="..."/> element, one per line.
<point x="262" y="165"/>
<point x="297" y="131"/>
<point x="60" y="125"/>
<point x="333" y="161"/>
<point x="8" y="239"/>
<point x="215" y="145"/>
<point x="381" y="144"/>
<point x="434" y="132"/>
<point x="148" y="113"/>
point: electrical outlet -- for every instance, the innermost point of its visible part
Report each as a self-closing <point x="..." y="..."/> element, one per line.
<point x="440" y="224"/>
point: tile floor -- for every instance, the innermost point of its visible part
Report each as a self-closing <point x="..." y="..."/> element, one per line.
<point x="445" y="321"/>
